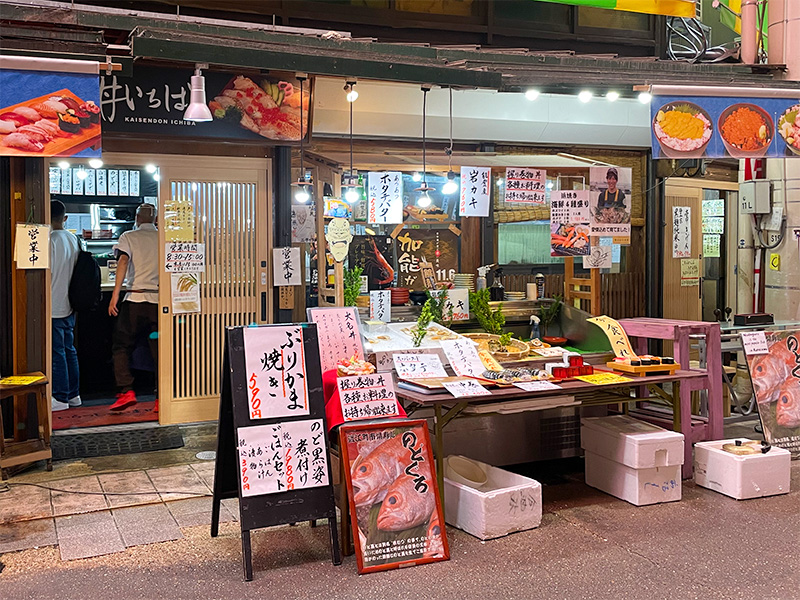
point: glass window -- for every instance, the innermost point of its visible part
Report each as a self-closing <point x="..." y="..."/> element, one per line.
<point x="526" y="243"/>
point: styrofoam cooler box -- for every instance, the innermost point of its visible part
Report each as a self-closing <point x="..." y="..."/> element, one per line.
<point x="637" y="486"/>
<point x="506" y="503"/>
<point x="742" y="477"/>
<point x="631" y="442"/>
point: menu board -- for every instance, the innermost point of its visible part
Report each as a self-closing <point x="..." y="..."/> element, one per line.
<point x="569" y="223"/>
<point x="474" y="192"/>
<point x="681" y="231"/>
<point x="339" y="332"/>
<point x="525" y="185"/>
<point x="367" y="396"/>
<point x="385" y="197"/>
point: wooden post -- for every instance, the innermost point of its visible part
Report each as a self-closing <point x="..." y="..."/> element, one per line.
<point x="574" y="286"/>
<point x="338" y="283"/>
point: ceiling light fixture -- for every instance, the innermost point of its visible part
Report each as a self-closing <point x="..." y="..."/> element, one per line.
<point x="352" y="94"/>
<point x="451" y="186"/>
<point x="95" y="163"/>
<point x="531" y="94"/>
<point x="81" y="174"/>
<point x="198" y="109"/>
<point x="302" y="194"/>
<point x="645" y="97"/>
<point x="612" y="96"/>
<point x="416" y="177"/>
<point x="424" y="199"/>
<point x="151" y="168"/>
<point x="63" y="164"/>
<point x="350" y="182"/>
<point x="585" y="96"/>
<point x="156" y="177"/>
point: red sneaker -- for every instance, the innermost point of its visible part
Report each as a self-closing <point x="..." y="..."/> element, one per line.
<point x="124" y="401"/>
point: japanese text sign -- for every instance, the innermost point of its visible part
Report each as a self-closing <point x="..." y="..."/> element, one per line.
<point x="418" y="366"/>
<point x="604" y="378"/>
<point x="467" y="387"/>
<point x="463" y="357"/>
<point x="525" y="185"/>
<point x="184" y="257"/>
<point x="276" y="372"/>
<point x="474" y="192"/>
<point x="32" y="246"/>
<point x="569" y="223"/>
<point x="339" y="335"/>
<point x="385" y="200"/>
<point x="690" y="272"/>
<point x="367" y="396"/>
<point x="458" y="298"/>
<point x="681" y="231"/>
<point x="537" y="386"/>
<point x="286" y="266"/>
<point x="754" y="342"/>
<point x="620" y="344"/>
<point x="380" y="305"/>
<point x="282" y="456"/>
<point x="611" y="202"/>
<point x="711" y="245"/>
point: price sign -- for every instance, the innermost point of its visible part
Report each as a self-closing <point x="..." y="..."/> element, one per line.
<point x="467" y="387"/>
<point x="367" y="396"/>
<point x="418" y="366"/>
<point x="463" y="357"/>
<point x="754" y="342"/>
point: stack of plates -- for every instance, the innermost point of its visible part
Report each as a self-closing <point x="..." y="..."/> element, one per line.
<point x="464" y="280"/>
<point x="400" y="296"/>
<point x="512" y="296"/>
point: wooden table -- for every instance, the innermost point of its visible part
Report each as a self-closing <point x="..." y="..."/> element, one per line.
<point x="446" y="407"/>
<point x="16" y="452"/>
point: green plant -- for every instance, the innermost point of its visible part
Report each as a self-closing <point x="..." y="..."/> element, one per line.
<point x="548" y="313"/>
<point x="352" y="285"/>
<point x="504" y="340"/>
<point x="425" y="317"/>
<point x="441" y="315"/>
<point x="492" y="321"/>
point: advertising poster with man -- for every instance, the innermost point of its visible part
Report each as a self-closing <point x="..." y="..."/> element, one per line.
<point x="611" y="203"/>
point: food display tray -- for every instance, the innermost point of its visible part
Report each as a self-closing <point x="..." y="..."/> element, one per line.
<point x="643" y="370"/>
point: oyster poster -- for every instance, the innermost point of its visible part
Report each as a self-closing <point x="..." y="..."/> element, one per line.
<point x="776" y="383"/>
<point x="394" y="501"/>
<point x="243" y="105"/>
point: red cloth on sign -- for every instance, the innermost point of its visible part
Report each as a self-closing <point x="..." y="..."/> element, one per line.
<point x="333" y="405"/>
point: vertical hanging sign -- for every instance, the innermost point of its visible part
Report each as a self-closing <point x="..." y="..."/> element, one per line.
<point x="32" y="246"/>
<point x="681" y="232"/>
<point x="385" y="197"/>
<point x="380" y="305"/>
<point x="474" y="192"/>
<point x="525" y="185"/>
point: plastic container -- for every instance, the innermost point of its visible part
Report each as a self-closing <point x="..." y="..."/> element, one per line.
<point x="464" y="470"/>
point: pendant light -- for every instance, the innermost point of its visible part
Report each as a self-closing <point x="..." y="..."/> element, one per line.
<point x="450" y="187"/>
<point x="303" y="193"/>
<point x="350" y="182"/>
<point x="198" y="109"/>
<point x="424" y="199"/>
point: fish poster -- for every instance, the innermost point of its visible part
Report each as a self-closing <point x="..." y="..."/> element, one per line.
<point x="776" y="383"/>
<point x="395" y="507"/>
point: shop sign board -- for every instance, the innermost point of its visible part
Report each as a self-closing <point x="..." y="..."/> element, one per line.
<point x="385" y="197"/>
<point x="184" y="257"/>
<point x="569" y="223"/>
<point x="438" y="247"/>
<point x="398" y="520"/>
<point x="32" y="246"/>
<point x="525" y="185"/>
<point x="681" y="231"/>
<point x="611" y="202"/>
<point x="286" y="266"/>
<point x="367" y="396"/>
<point x="475" y="184"/>
<point x="339" y="332"/>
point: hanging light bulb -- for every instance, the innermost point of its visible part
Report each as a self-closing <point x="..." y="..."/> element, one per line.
<point x="150" y="168"/>
<point x="198" y="109"/>
<point x="585" y="96"/>
<point x="95" y="163"/>
<point x="416" y="177"/>
<point x="349" y="88"/>
<point x="81" y="174"/>
<point x="350" y="183"/>
<point x="424" y="199"/>
<point x="302" y="195"/>
<point x="304" y="188"/>
<point x="531" y="94"/>
<point x="451" y="186"/>
<point x="156" y="177"/>
<point x="612" y="96"/>
<point x="645" y="97"/>
<point x="63" y="164"/>
<point x="352" y="196"/>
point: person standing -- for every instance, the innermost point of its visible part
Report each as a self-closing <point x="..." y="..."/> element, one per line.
<point x="137" y="314"/>
<point x="64" y="250"/>
<point x="612" y="197"/>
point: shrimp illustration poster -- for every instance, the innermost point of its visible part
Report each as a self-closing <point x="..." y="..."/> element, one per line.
<point x="776" y="382"/>
<point x="395" y="508"/>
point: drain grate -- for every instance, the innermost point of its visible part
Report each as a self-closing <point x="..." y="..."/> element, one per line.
<point x="87" y="445"/>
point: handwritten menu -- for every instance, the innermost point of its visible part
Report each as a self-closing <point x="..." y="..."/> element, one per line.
<point x="89" y="184"/>
<point x="178" y="219"/>
<point x="714" y="208"/>
<point x="113" y="182"/>
<point x="537" y="386"/>
<point x="681" y="231"/>
<point x="32" y="246"/>
<point x="463" y="357"/>
<point x="66" y="181"/>
<point x="604" y="378"/>
<point x="367" y="396"/>
<point x="754" y="342"/>
<point x="385" y="199"/>
<point x="474" y="192"/>
<point x="418" y="366"/>
<point x="77" y="182"/>
<point x="714" y="225"/>
<point x="380" y="305"/>
<point x="711" y="245"/>
<point x="525" y="185"/>
<point x="569" y="223"/>
<point x="286" y="266"/>
<point x="620" y="344"/>
<point x="183" y="257"/>
<point x="102" y="182"/>
<point x="276" y="372"/>
<point x="123" y="182"/>
<point x="281" y="457"/>
<point x="690" y="272"/>
<point x="134" y="183"/>
<point x="339" y="335"/>
<point x="458" y="298"/>
<point x="467" y="387"/>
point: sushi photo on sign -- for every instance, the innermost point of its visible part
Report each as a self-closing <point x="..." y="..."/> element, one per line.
<point x="776" y="383"/>
<point x="395" y="509"/>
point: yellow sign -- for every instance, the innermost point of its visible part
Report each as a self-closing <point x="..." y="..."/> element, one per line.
<point x="604" y="378"/>
<point x="620" y="343"/>
<point x="178" y="219"/>
<point x="20" y="379"/>
<point x="690" y="272"/>
<point x="775" y="262"/>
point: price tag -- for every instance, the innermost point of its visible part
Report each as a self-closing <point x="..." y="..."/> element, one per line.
<point x="604" y="378"/>
<point x="463" y="358"/>
<point x="367" y="396"/>
<point x="468" y="387"/>
<point x="537" y="386"/>
<point x="418" y="366"/>
<point x="754" y="342"/>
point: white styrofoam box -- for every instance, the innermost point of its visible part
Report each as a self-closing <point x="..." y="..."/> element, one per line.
<point x="631" y="442"/>
<point x="637" y="486"/>
<point x="742" y="477"/>
<point x="506" y="503"/>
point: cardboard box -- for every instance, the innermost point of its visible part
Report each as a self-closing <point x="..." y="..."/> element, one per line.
<point x="637" y="486"/>
<point x="742" y="477"/>
<point x="631" y="442"/>
<point x="504" y="504"/>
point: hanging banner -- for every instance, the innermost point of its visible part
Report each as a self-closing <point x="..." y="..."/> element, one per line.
<point x="681" y="231"/>
<point x="673" y="8"/>
<point x="724" y="127"/>
<point x="524" y="185"/>
<point x="569" y="223"/>
<point x="32" y="246"/>
<point x="474" y="191"/>
<point x="385" y="197"/>
<point x="286" y="266"/>
<point x="46" y="113"/>
<point x="611" y="202"/>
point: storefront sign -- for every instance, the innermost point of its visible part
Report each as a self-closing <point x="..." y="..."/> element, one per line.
<point x="681" y="231"/>
<point x="466" y="388"/>
<point x="32" y="246"/>
<point x="611" y="202"/>
<point x="620" y="344"/>
<point x="286" y="266"/>
<point x="525" y="185"/>
<point x="458" y="299"/>
<point x="380" y="305"/>
<point x="339" y="334"/>
<point x="439" y="247"/>
<point x="690" y="272"/>
<point x="463" y="357"/>
<point x="711" y="245"/>
<point x="184" y="257"/>
<point x="35" y="117"/>
<point x="185" y="291"/>
<point x="367" y="396"/>
<point x="418" y="366"/>
<point x="276" y="372"/>
<point x="600" y="258"/>
<point x="569" y="223"/>
<point x="474" y="192"/>
<point x="385" y="197"/>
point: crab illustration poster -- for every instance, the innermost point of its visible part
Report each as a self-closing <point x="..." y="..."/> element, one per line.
<point x="394" y="499"/>
<point x="776" y="383"/>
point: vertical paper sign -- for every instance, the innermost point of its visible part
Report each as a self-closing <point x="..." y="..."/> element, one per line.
<point x="276" y="372"/>
<point x="286" y="266"/>
<point x="32" y="247"/>
<point x="385" y="203"/>
<point x="610" y="202"/>
<point x="620" y="344"/>
<point x="134" y="183"/>
<point x="474" y="192"/>
<point x="281" y="457"/>
<point x="525" y="185"/>
<point x="185" y="293"/>
<point x="123" y="182"/>
<point x="89" y="184"/>
<point x="458" y="298"/>
<point x="380" y="305"/>
<point x="102" y="182"/>
<point x="339" y="335"/>
<point x="569" y="223"/>
<point x="182" y="257"/>
<point x="55" y="180"/>
<point x="177" y="218"/>
<point x="66" y="181"/>
<point x="113" y="182"/>
<point x="77" y="182"/>
<point x="681" y="231"/>
<point x="711" y="245"/>
<point x="463" y="357"/>
<point x="690" y="272"/>
<point x="367" y="396"/>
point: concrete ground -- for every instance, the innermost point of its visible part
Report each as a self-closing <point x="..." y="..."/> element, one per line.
<point x="589" y="545"/>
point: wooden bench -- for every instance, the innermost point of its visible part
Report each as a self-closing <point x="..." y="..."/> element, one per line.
<point x="17" y="451"/>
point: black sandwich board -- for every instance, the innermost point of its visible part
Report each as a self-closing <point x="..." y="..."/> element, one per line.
<point x="238" y="431"/>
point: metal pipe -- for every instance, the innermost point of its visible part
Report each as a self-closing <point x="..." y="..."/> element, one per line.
<point x="776" y="29"/>
<point x="652" y="231"/>
<point x="749" y="31"/>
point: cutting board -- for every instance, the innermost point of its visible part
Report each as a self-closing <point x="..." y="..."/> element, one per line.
<point x="58" y="146"/>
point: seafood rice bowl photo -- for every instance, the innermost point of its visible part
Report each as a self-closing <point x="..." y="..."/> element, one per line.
<point x="789" y="128"/>
<point x="746" y="130"/>
<point x="683" y="129"/>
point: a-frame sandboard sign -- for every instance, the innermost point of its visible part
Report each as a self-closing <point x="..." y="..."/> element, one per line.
<point x="271" y="442"/>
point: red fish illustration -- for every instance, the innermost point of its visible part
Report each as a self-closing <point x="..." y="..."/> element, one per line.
<point x="372" y="476"/>
<point x="770" y="371"/>
<point x="433" y="544"/>
<point x="787" y="412"/>
<point x="387" y="272"/>
<point x="404" y="506"/>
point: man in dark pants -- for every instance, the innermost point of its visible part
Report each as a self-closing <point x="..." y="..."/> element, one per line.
<point x="137" y="263"/>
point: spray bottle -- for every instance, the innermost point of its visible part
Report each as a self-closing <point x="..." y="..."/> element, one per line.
<point x="480" y="283"/>
<point x="535" y="335"/>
